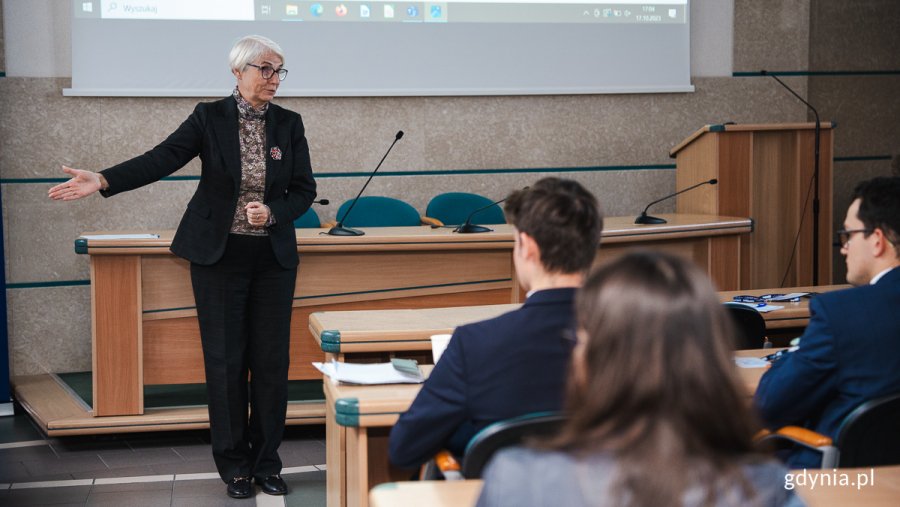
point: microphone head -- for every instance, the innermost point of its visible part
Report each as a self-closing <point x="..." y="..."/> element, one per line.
<point x="713" y="181"/>
<point x="324" y="202"/>
<point x="399" y="134"/>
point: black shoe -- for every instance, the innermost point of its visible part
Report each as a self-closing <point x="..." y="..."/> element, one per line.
<point x="239" y="487"/>
<point x="272" y="485"/>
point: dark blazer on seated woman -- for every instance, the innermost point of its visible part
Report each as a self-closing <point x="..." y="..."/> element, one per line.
<point x="211" y="132"/>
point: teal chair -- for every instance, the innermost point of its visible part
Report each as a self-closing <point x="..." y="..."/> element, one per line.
<point x="308" y="220"/>
<point x="453" y="208"/>
<point x="376" y="211"/>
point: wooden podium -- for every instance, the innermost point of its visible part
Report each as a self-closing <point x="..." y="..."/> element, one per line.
<point x="764" y="172"/>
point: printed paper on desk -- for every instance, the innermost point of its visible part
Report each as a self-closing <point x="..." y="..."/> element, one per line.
<point x="367" y="374"/>
<point x="751" y="362"/>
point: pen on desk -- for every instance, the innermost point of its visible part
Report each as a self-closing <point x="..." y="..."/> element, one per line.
<point x="772" y="357"/>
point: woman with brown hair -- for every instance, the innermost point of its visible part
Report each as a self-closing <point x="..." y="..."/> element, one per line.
<point x="655" y="413"/>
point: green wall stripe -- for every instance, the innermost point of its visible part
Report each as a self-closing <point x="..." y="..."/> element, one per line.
<point x="449" y="172"/>
<point x="818" y="73"/>
<point x="356" y="174"/>
<point x="41" y="285"/>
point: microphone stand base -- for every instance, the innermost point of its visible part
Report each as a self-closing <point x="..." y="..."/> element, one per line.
<point x="647" y="220"/>
<point x="470" y="228"/>
<point x="340" y="230"/>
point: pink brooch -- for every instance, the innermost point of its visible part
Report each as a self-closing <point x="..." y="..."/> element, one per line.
<point x="275" y="153"/>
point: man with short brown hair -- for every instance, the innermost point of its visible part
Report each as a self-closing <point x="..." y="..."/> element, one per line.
<point x="516" y="363"/>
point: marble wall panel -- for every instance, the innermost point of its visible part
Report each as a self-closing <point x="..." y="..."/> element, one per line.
<point x="2" y="42"/>
<point x="40" y="129"/>
<point x="866" y="110"/>
<point x="441" y="133"/>
<point x="858" y="35"/>
<point x="131" y="126"/>
<point x="41" y="232"/>
<point x="771" y="35"/>
<point x="49" y="330"/>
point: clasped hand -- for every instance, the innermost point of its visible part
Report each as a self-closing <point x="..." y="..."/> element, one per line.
<point x="257" y="213"/>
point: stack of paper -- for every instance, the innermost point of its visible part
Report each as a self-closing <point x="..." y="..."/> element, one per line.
<point x="367" y="374"/>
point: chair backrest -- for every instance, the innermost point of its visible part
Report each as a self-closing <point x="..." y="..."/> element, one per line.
<point x="308" y="220"/>
<point x="376" y="211"/>
<point x="453" y="208"/>
<point x="506" y="433"/>
<point x="870" y="435"/>
<point x="749" y="325"/>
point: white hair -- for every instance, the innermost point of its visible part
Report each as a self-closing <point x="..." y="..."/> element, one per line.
<point x="250" y="48"/>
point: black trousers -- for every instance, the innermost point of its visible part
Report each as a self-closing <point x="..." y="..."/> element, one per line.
<point x="244" y="309"/>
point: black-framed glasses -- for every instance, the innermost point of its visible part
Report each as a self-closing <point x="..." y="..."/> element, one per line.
<point x="267" y="71"/>
<point x="844" y="235"/>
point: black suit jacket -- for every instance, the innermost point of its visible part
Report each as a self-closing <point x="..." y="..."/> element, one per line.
<point x="492" y="370"/>
<point x="211" y="132"/>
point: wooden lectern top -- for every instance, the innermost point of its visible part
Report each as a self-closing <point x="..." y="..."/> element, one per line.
<point x="744" y="128"/>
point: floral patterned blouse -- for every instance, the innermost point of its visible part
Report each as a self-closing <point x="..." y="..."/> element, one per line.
<point x="252" y="134"/>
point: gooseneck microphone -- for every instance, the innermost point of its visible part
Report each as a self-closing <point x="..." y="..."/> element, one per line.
<point x="815" y="185"/>
<point x="644" y="218"/>
<point x="468" y="227"/>
<point x="339" y="229"/>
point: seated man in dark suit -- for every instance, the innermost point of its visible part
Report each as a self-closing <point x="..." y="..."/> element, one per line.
<point x="850" y="352"/>
<point x="516" y="363"/>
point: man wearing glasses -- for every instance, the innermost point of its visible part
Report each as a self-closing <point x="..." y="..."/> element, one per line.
<point x="850" y="351"/>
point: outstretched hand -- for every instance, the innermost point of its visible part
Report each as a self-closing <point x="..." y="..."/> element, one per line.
<point x="82" y="184"/>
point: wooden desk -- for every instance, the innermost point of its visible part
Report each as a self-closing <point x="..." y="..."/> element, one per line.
<point x="431" y="493"/>
<point x="358" y="421"/>
<point x="793" y="315"/>
<point x="145" y="327"/>
<point x="345" y="334"/>
<point x="884" y="493"/>
<point x="351" y="332"/>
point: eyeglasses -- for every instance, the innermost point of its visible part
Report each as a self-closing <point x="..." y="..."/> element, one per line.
<point x="845" y="234"/>
<point x="267" y="71"/>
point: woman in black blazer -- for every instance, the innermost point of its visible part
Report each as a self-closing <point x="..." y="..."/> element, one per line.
<point x="239" y="237"/>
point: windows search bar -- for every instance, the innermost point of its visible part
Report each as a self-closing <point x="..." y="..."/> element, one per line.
<point x="221" y="10"/>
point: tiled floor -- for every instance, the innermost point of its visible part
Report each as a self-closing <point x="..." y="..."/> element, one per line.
<point x="142" y="469"/>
